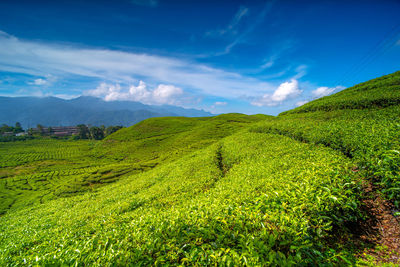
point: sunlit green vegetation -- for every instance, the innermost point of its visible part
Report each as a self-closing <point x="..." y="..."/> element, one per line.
<point x="377" y="93"/>
<point x="227" y="190"/>
<point x="39" y="170"/>
<point x="43" y="169"/>
<point x="371" y="136"/>
<point x="249" y="198"/>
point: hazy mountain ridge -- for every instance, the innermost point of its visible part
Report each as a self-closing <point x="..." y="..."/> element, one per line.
<point x="53" y="111"/>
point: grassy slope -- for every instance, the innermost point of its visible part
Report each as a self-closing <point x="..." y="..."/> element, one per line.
<point x="39" y="170"/>
<point x="377" y="93"/>
<point x="230" y="189"/>
<point x="164" y="139"/>
<point x="363" y="122"/>
<point x="248" y="198"/>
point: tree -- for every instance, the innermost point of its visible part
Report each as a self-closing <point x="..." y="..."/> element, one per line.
<point x="83" y="131"/>
<point x="5" y="128"/>
<point x="18" y="128"/>
<point x="40" y="129"/>
<point x="112" y="129"/>
<point x="96" y="133"/>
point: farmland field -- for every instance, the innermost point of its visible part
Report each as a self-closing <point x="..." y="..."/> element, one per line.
<point x="226" y="190"/>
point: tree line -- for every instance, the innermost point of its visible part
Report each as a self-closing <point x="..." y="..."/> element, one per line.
<point x="94" y="132"/>
<point x="7" y="133"/>
<point x="10" y="129"/>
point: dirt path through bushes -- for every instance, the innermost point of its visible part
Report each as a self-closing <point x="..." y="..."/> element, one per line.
<point x="382" y="228"/>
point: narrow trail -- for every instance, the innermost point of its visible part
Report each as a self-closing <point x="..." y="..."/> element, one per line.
<point x="381" y="229"/>
<point x="220" y="163"/>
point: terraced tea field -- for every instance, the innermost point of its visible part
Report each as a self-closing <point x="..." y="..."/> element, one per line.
<point x="20" y="153"/>
<point x="35" y="171"/>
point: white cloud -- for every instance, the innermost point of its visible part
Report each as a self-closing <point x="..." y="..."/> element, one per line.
<point x="117" y="67"/>
<point x="324" y="91"/>
<point x="38" y="82"/>
<point x="219" y="103"/>
<point x="162" y="94"/>
<point x="285" y="91"/>
<point x="64" y="96"/>
<point x="300" y="103"/>
<point x="140" y="92"/>
<point x="398" y="42"/>
<point x="166" y="93"/>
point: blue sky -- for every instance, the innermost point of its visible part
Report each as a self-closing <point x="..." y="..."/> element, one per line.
<point x="221" y="56"/>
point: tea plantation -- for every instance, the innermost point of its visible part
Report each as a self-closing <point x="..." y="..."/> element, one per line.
<point x="227" y="190"/>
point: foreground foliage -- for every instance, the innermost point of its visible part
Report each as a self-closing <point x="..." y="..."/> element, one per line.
<point x="43" y="169"/>
<point x="250" y="198"/>
<point x="371" y="137"/>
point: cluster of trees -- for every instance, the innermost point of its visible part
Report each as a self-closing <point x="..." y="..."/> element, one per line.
<point x="94" y="132"/>
<point x="7" y="133"/>
<point x="10" y="129"/>
<point x="84" y="132"/>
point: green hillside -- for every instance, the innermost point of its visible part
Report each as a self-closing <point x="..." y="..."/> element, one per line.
<point x="40" y="170"/>
<point x="362" y="122"/>
<point x="377" y="93"/>
<point x="227" y="190"/>
<point x="158" y="139"/>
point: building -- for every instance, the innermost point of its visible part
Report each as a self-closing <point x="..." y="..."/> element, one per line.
<point x="58" y="130"/>
<point x="8" y="134"/>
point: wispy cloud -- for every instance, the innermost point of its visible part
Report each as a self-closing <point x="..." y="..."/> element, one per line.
<point x="285" y="91"/>
<point x="301" y="71"/>
<point x="278" y="51"/>
<point x="111" y="66"/>
<point x="232" y="27"/>
<point x="268" y="63"/>
<point x="217" y="105"/>
<point x="258" y="19"/>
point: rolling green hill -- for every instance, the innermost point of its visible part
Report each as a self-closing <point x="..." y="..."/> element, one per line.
<point x="227" y="190"/>
<point x="377" y="93"/>
<point x="39" y="170"/>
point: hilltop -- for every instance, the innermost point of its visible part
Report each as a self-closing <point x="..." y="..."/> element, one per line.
<point x="230" y="190"/>
<point x="377" y="93"/>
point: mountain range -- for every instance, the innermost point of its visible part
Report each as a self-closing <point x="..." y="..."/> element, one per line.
<point x="53" y="111"/>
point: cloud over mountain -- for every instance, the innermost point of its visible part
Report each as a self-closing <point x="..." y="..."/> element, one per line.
<point x="162" y="94"/>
